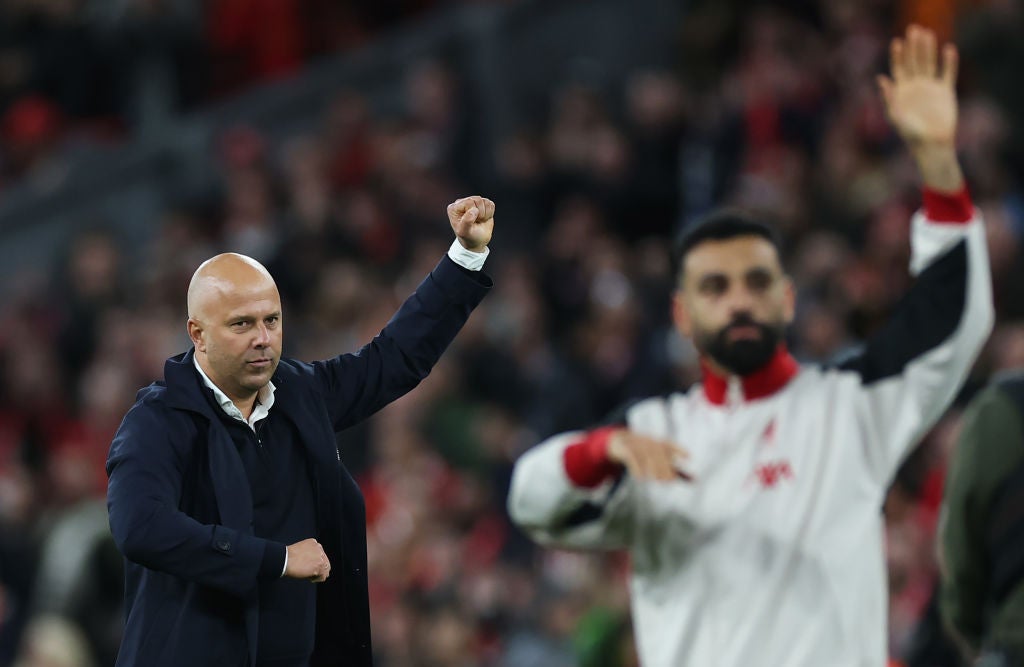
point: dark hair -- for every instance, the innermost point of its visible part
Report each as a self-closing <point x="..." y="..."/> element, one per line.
<point x="719" y="225"/>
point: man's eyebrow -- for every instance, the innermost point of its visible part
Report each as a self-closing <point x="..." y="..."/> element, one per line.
<point x="235" y="317"/>
<point x="709" y="277"/>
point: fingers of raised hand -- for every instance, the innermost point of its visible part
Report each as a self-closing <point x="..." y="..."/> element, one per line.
<point x="919" y="50"/>
<point x="950" y="63"/>
<point x="465" y="210"/>
<point x="926" y="53"/>
<point x="897" y="60"/>
<point x="471" y="209"/>
<point x="488" y="209"/>
<point x="916" y="55"/>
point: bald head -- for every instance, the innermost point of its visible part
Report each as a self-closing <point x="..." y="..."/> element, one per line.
<point x="234" y="321"/>
<point x="225" y="277"/>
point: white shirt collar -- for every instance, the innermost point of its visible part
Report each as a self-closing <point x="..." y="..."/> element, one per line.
<point x="264" y="399"/>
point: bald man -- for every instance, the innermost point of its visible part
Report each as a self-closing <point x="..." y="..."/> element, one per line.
<point x="243" y="534"/>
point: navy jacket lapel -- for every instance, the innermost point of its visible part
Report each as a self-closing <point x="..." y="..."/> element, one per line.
<point x="313" y="428"/>
<point x="230" y="484"/>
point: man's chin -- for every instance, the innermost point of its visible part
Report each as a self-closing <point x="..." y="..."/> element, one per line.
<point x="257" y="376"/>
<point x="745" y="361"/>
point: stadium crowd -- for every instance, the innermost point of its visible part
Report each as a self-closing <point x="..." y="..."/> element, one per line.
<point x="773" y="108"/>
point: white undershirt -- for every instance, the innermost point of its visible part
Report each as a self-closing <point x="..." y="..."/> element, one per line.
<point x="260" y="409"/>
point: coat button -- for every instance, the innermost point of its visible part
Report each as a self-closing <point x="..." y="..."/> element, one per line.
<point x="223" y="545"/>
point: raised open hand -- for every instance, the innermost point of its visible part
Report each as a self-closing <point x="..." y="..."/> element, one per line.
<point x="920" y="97"/>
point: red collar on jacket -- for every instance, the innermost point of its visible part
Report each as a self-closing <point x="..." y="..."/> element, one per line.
<point x="763" y="382"/>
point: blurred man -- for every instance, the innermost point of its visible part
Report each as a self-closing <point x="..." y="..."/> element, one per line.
<point x="751" y="504"/>
<point x="226" y="492"/>
<point x="982" y="530"/>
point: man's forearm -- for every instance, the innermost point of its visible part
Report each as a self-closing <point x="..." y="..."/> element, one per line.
<point x="939" y="167"/>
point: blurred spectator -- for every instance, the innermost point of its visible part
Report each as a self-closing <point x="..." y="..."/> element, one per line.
<point x="983" y="567"/>
<point x="30" y="129"/>
<point x="51" y="641"/>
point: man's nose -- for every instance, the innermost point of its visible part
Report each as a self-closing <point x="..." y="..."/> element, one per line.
<point x="741" y="300"/>
<point x="262" y="336"/>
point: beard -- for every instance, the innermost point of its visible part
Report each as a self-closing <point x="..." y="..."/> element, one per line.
<point x="746" y="355"/>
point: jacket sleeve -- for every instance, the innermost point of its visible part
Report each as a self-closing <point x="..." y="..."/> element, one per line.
<point x="396" y="360"/>
<point x="146" y="474"/>
<point x="912" y="369"/>
<point x="556" y="510"/>
<point x="565" y="492"/>
<point x="968" y="495"/>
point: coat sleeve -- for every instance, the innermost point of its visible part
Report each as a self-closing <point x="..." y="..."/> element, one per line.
<point x="911" y="370"/>
<point x="146" y="474"/>
<point x="556" y="511"/>
<point x="396" y="360"/>
<point x="565" y="493"/>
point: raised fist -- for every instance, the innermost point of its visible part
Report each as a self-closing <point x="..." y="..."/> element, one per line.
<point x="472" y="220"/>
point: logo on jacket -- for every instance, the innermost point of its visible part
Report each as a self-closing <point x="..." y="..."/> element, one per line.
<point x="770" y="473"/>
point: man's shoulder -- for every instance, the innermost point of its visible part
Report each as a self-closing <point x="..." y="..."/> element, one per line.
<point x="152" y="396"/>
<point x="291" y="371"/>
<point x="151" y="406"/>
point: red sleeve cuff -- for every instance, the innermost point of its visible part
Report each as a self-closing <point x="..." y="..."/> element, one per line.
<point x="947" y="207"/>
<point x="586" y="461"/>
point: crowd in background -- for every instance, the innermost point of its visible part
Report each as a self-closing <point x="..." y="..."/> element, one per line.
<point x="771" y="107"/>
<point x="98" y="71"/>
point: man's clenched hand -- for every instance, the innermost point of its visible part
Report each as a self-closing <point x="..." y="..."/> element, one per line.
<point x="307" y="560"/>
<point x="472" y="220"/>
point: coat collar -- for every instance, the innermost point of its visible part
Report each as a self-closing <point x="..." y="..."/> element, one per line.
<point x="185" y="388"/>
<point x="185" y="391"/>
<point x="764" y="382"/>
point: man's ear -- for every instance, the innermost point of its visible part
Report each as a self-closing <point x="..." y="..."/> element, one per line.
<point x="681" y="314"/>
<point x="195" y="334"/>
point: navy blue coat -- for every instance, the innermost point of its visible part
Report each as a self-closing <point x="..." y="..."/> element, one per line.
<point x="181" y="508"/>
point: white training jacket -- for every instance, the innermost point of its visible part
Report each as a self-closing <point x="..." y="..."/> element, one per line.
<point x="773" y="555"/>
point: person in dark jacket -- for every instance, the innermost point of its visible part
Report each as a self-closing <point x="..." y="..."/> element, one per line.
<point x="243" y="533"/>
<point x="982" y="528"/>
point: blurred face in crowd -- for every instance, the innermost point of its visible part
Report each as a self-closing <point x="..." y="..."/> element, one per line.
<point x="734" y="301"/>
<point x="235" y="324"/>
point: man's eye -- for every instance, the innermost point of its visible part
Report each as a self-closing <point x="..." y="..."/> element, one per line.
<point x="759" y="282"/>
<point x="713" y="286"/>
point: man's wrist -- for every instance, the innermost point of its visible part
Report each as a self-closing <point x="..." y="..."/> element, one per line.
<point x="938" y="165"/>
<point x="466" y="258"/>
